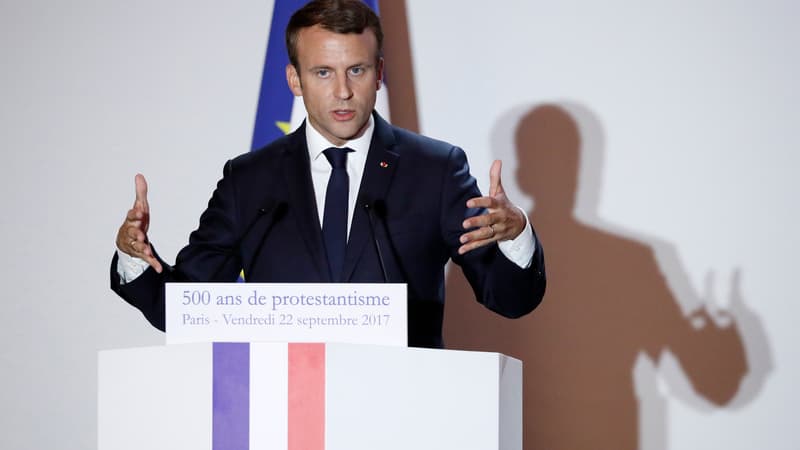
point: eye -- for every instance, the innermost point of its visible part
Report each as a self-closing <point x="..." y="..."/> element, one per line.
<point x="356" y="71"/>
<point x="323" y="73"/>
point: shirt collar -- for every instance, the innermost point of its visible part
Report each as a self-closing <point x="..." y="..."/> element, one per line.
<point x="317" y="143"/>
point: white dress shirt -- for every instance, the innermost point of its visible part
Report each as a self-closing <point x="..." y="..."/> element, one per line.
<point x="321" y="169"/>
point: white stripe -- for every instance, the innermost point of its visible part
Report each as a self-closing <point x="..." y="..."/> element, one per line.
<point x="269" y="382"/>
<point x="382" y="103"/>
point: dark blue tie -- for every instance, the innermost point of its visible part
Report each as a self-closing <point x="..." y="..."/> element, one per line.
<point x="334" y="220"/>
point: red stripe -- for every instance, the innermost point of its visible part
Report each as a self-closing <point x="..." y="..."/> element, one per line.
<point x="306" y="397"/>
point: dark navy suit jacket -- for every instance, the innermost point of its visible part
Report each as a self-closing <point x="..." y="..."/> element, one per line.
<point x="263" y="217"/>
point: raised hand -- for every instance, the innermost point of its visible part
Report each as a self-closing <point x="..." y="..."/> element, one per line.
<point x="502" y="221"/>
<point x="132" y="235"/>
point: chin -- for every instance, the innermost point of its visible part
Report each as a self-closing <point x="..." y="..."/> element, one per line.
<point x="347" y="135"/>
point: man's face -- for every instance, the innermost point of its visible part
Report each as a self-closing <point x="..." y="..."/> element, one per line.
<point x="338" y="77"/>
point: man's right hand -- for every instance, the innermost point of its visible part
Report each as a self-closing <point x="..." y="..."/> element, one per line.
<point x="132" y="235"/>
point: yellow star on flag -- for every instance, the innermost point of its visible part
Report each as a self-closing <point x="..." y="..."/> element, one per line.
<point x="284" y="126"/>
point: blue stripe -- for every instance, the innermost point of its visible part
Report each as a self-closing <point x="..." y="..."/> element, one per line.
<point x="231" y="396"/>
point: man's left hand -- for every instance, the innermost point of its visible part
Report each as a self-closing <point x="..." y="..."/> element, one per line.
<point x="502" y="221"/>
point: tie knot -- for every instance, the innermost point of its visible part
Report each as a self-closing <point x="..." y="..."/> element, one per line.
<point x="337" y="157"/>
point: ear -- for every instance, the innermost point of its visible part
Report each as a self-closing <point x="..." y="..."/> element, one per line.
<point x="379" y="68"/>
<point x="293" y="79"/>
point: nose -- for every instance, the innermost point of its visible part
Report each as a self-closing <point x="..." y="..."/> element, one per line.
<point x="342" y="89"/>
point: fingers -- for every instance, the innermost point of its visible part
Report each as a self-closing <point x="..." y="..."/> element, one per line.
<point x="134" y="215"/>
<point x="502" y="221"/>
<point x="501" y="217"/>
<point x="482" y="220"/>
<point x="480" y="237"/>
<point x="495" y="185"/>
<point x="141" y="193"/>
<point x="139" y="215"/>
<point x="132" y="235"/>
<point x="131" y="240"/>
<point x="485" y="234"/>
<point x="150" y="258"/>
<point x="483" y="202"/>
<point x="144" y="251"/>
<point x="484" y="230"/>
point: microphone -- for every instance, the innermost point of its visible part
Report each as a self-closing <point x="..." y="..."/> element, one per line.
<point x="278" y="212"/>
<point x="370" y="207"/>
<point x="378" y="207"/>
<point x="272" y="206"/>
<point x="423" y="316"/>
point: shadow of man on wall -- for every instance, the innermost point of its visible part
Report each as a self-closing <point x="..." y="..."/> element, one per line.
<point x="614" y="302"/>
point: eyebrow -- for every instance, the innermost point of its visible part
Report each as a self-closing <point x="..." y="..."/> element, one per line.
<point x="325" y="67"/>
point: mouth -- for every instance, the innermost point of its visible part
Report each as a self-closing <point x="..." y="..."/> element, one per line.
<point x="343" y="114"/>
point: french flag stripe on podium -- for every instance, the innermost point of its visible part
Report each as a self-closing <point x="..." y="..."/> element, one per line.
<point x="292" y="419"/>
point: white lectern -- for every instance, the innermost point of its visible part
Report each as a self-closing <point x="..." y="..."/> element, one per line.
<point x="227" y="396"/>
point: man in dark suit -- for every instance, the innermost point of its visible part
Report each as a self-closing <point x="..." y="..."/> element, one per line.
<point x="347" y="197"/>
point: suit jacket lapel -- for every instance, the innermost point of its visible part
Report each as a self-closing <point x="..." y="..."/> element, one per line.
<point x="302" y="203"/>
<point x="378" y="174"/>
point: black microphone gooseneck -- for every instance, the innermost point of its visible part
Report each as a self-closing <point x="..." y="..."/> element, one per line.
<point x="278" y="212"/>
<point x="379" y="208"/>
<point x="262" y="212"/>
<point x="369" y="207"/>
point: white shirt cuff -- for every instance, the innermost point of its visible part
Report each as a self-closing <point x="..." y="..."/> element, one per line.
<point x="521" y="249"/>
<point x="129" y="267"/>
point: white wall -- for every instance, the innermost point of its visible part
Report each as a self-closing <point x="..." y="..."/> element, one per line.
<point x="92" y="93"/>
<point x="696" y="101"/>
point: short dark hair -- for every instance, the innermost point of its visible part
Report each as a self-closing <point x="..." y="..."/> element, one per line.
<point x="338" y="16"/>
